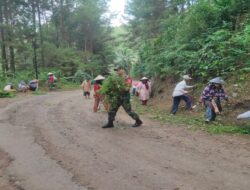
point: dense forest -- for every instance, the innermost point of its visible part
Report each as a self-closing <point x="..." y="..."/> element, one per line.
<point x="202" y="37"/>
<point x="68" y="36"/>
<point x="162" y="38"/>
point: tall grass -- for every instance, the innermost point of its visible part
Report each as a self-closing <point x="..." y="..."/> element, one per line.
<point x="193" y="121"/>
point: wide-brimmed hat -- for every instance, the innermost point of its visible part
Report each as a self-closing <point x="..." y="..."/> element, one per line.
<point x="144" y="78"/>
<point x="186" y="77"/>
<point x="50" y="73"/>
<point x="217" y="80"/>
<point x="99" y="77"/>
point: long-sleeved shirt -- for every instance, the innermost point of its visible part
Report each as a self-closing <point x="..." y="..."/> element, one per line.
<point x="211" y="92"/>
<point x="144" y="91"/>
<point x="180" y="88"/>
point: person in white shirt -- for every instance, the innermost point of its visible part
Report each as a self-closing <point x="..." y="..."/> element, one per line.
<point x="180" y="93"/>
<point x="9" y="88"/>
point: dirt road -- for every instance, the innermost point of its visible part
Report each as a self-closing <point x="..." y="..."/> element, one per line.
<point x="55" y="142"/>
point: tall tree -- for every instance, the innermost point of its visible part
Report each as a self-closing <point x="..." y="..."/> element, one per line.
<point x="34" y="41"/>
<point x="9" y="12"/>
<point x="53" y="33"/>
<point x="3" y="46"/>
<point x="38" y="3"/>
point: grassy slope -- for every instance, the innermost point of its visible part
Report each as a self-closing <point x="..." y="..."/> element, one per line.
<point x="237" y="89"/>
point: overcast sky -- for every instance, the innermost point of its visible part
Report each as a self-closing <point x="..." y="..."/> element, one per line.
<point x="117" y="6"/>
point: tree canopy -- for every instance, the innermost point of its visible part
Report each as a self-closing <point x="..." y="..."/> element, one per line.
<point x="200" y="37"/>
<point x="65" y="34"/>
<point x="163" y="37"/>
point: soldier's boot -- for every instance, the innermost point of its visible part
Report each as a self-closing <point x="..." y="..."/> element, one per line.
<point x="138" y="123"/>
<point x="108" y="125"/>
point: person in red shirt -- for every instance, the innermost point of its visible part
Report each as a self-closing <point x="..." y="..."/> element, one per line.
<point x="98" y="97"/>
<point x="51" y="80"/>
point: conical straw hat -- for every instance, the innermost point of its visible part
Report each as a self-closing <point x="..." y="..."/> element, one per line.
<point x="99" y="77"/>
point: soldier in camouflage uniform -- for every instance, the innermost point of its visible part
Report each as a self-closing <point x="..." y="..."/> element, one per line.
<point x="124" y="101"/>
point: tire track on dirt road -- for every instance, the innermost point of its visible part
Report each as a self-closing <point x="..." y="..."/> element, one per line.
<point x="32" y="168"/>
<point x="155" y="156"/>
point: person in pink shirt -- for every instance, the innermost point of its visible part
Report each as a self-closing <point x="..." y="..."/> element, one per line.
<point x="144" y="89"/>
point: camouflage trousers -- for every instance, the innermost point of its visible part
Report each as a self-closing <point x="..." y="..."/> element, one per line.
<point x="123" y="101"/>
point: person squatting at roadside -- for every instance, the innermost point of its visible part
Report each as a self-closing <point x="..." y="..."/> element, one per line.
<point x="180" y="93"/>
<point x="124" y="101"/>
<point x="211" y="98"/>
<point x="9" y="88"/>
<point x="22" y="86"/>
<point x="144" y="89"/>
<point x="33" y="85"/>
<point x="99" y="97"/>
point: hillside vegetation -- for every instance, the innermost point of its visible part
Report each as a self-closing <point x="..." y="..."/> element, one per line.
<point x="163" y="39"/>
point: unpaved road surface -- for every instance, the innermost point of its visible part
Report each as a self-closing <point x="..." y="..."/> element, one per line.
<point x="55" y="142"/>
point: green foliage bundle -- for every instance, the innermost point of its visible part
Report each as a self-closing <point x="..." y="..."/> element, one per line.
<point x="113" y="87"/>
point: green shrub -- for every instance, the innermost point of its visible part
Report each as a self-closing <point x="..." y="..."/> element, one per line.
<point x="4" y="94"/>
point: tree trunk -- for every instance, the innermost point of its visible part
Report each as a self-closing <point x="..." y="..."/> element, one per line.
<point x="3" y="47"/>
<point x="91" y="48"/>
<point x="57" y="43"/>
<point x="10" y="21"/>
<point x="34" y="39"/>
<point x="41" y="33"/>
<point x="12" y="58"/>
<point x="85" y="44"/>
<point x="62" y="29"/>
<point x="6" y="33"/>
